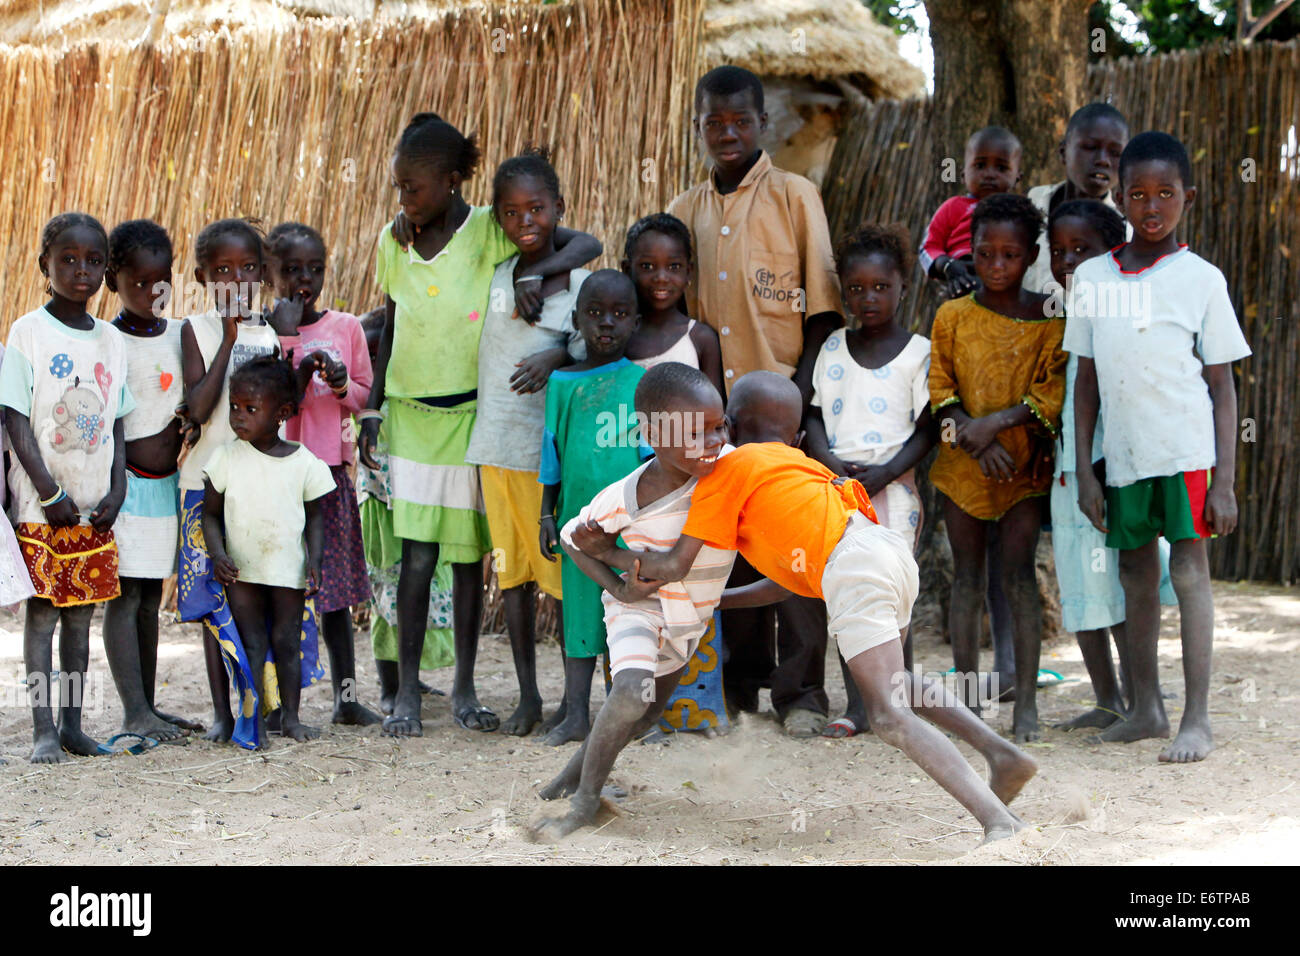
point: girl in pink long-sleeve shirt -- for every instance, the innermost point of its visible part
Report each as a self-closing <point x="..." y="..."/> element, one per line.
<point x="334" y="372"/>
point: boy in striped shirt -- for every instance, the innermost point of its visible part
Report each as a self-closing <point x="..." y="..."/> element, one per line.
<point x="652" y="627"/>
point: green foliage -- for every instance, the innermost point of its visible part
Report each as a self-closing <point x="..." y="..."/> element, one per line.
<point x="898" y="15"/>
<point x="1159" y="26"/>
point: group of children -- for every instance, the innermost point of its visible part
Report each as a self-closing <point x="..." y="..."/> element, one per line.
<point x="661" y="405"/>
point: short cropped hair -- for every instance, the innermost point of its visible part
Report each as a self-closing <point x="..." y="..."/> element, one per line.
<point x="727" y="81"/>
<point x="1154" y="145"/>
<point x="664" y="385"/>
<point x="1008" y="207"/>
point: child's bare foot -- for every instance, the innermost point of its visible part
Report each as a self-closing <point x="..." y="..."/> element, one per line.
<point x="1002" y="831"/>
<point x="524" y="719"/>
<point x="297" y="731"/>
<point x="386" y="702"/>
<point x="1099" y="718"/>
<point x="155" y="727"/>
<point x="48" y="749"/>
<point x="222" y="730"/>
<point x="573" y="727"/>
<point x="1009" y="771"/>
<point x="1024" y="721"/>
<point x="582" y="814"/>
<point x="182" y="722"/>
<point x="76" y="742"/>
<point x="1136" y="727"/>
<point x="1194" y="742"/>
<point x="354" y="714"/>
<point x="553" y="721"/>
<point x="564" y="785"/>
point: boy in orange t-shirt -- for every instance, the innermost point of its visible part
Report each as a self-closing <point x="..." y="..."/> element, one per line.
<point x="814" y="534"/>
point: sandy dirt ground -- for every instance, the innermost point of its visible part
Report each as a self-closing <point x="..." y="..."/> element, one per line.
<point x="752" y="797"/>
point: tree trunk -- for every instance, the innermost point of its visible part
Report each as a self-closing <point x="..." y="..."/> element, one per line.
<point x="1021" y="64"/>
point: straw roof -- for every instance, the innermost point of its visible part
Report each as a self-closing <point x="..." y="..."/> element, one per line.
<point x="824" y="39"/>
<point x="74" y="21"/>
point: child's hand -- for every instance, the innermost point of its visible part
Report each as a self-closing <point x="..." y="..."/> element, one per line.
<point x="1092" y="501"/>
<point x="996" y="462"/>
<point x="961" y="278"/>
<point x="313" y="578"/>
<point x="63" y="513"/>
<point x="402" y="229"/>
<point x="636" y="588"/>
<point x="976" y="434"/>
<point x="105" y="513"/>
<point x="1221" y="509"/>
<point x="874" y="478"/>
<point x="531" y="373"/>
<point x="592" y="540"/>
<point x="367" y="442"/>
<point x="528" y="299"/>
<point x="225" y="570"/>
<point x="548" y="538"/>
<point x="286" y="315"/>
<point x="190" y="429"/>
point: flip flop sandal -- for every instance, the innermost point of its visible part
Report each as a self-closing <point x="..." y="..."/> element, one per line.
<point x="846" y="723"/>
<point x="390" y="719"/>
<point x="145" y="743"/>
<point x="1047" y="678"/>
<point x="475" y="712"/>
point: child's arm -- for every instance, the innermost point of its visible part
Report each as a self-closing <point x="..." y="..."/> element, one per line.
<point x="627" y="589"/>
<point x="573" y="249"/>
<point x="315" y="534"/>
<point x="105" y="512"/>
<point x="548" y="537"/>
<point x="369" y="436"/>
<point x="214" y="506"/>
<point x="1041" y="404"/>
<point x="821" y="290"/>
<point x="708" y="351"/>
<point x="762" y="592"/>
<point x="1220" y="501"/>
<point x="358" y="375"/>
<point x="61" y="514"/>
<point x="1087" y="403"/>
<point x="671" y="565"/>
<point x="203" y="383"/>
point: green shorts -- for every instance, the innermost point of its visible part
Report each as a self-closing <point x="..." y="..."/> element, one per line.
<point x="1172" y="507"/>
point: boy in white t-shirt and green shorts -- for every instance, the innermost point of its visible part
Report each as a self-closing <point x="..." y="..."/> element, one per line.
<point x="1156" y="336"/>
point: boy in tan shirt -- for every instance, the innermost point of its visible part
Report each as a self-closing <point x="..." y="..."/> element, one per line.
<point x="765" y="281"/>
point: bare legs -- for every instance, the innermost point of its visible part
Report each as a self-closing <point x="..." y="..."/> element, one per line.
<point x="1139" y="571"/>
<point x="419" y="561"/>
<point x="131" y="643"/>
<point x="1017" y="540"/>
<point x="251" y="605"/>
<point x="521" y="621"/>
<point x="336" y="629"/>
<point x="634" y="705"/>
<point x="74" y="657"/>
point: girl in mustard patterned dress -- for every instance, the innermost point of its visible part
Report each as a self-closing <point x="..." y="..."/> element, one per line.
<point x="997" y="384"/>
<point x="63" y="385"/>
<point x="426" y="394"/>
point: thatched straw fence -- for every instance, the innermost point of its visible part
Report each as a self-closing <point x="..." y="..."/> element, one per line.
<point x="299" y="123"/>
<point x="1238" y="110"/>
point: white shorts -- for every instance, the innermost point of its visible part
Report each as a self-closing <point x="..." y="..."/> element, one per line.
<point x="637" y="640"/>
<point x="870" y="583"/>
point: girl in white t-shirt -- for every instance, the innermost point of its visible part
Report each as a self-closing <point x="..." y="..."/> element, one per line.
<point x="261" y="494"/>
<point x="63" y="385"/>
<point x="870" y="416"/>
